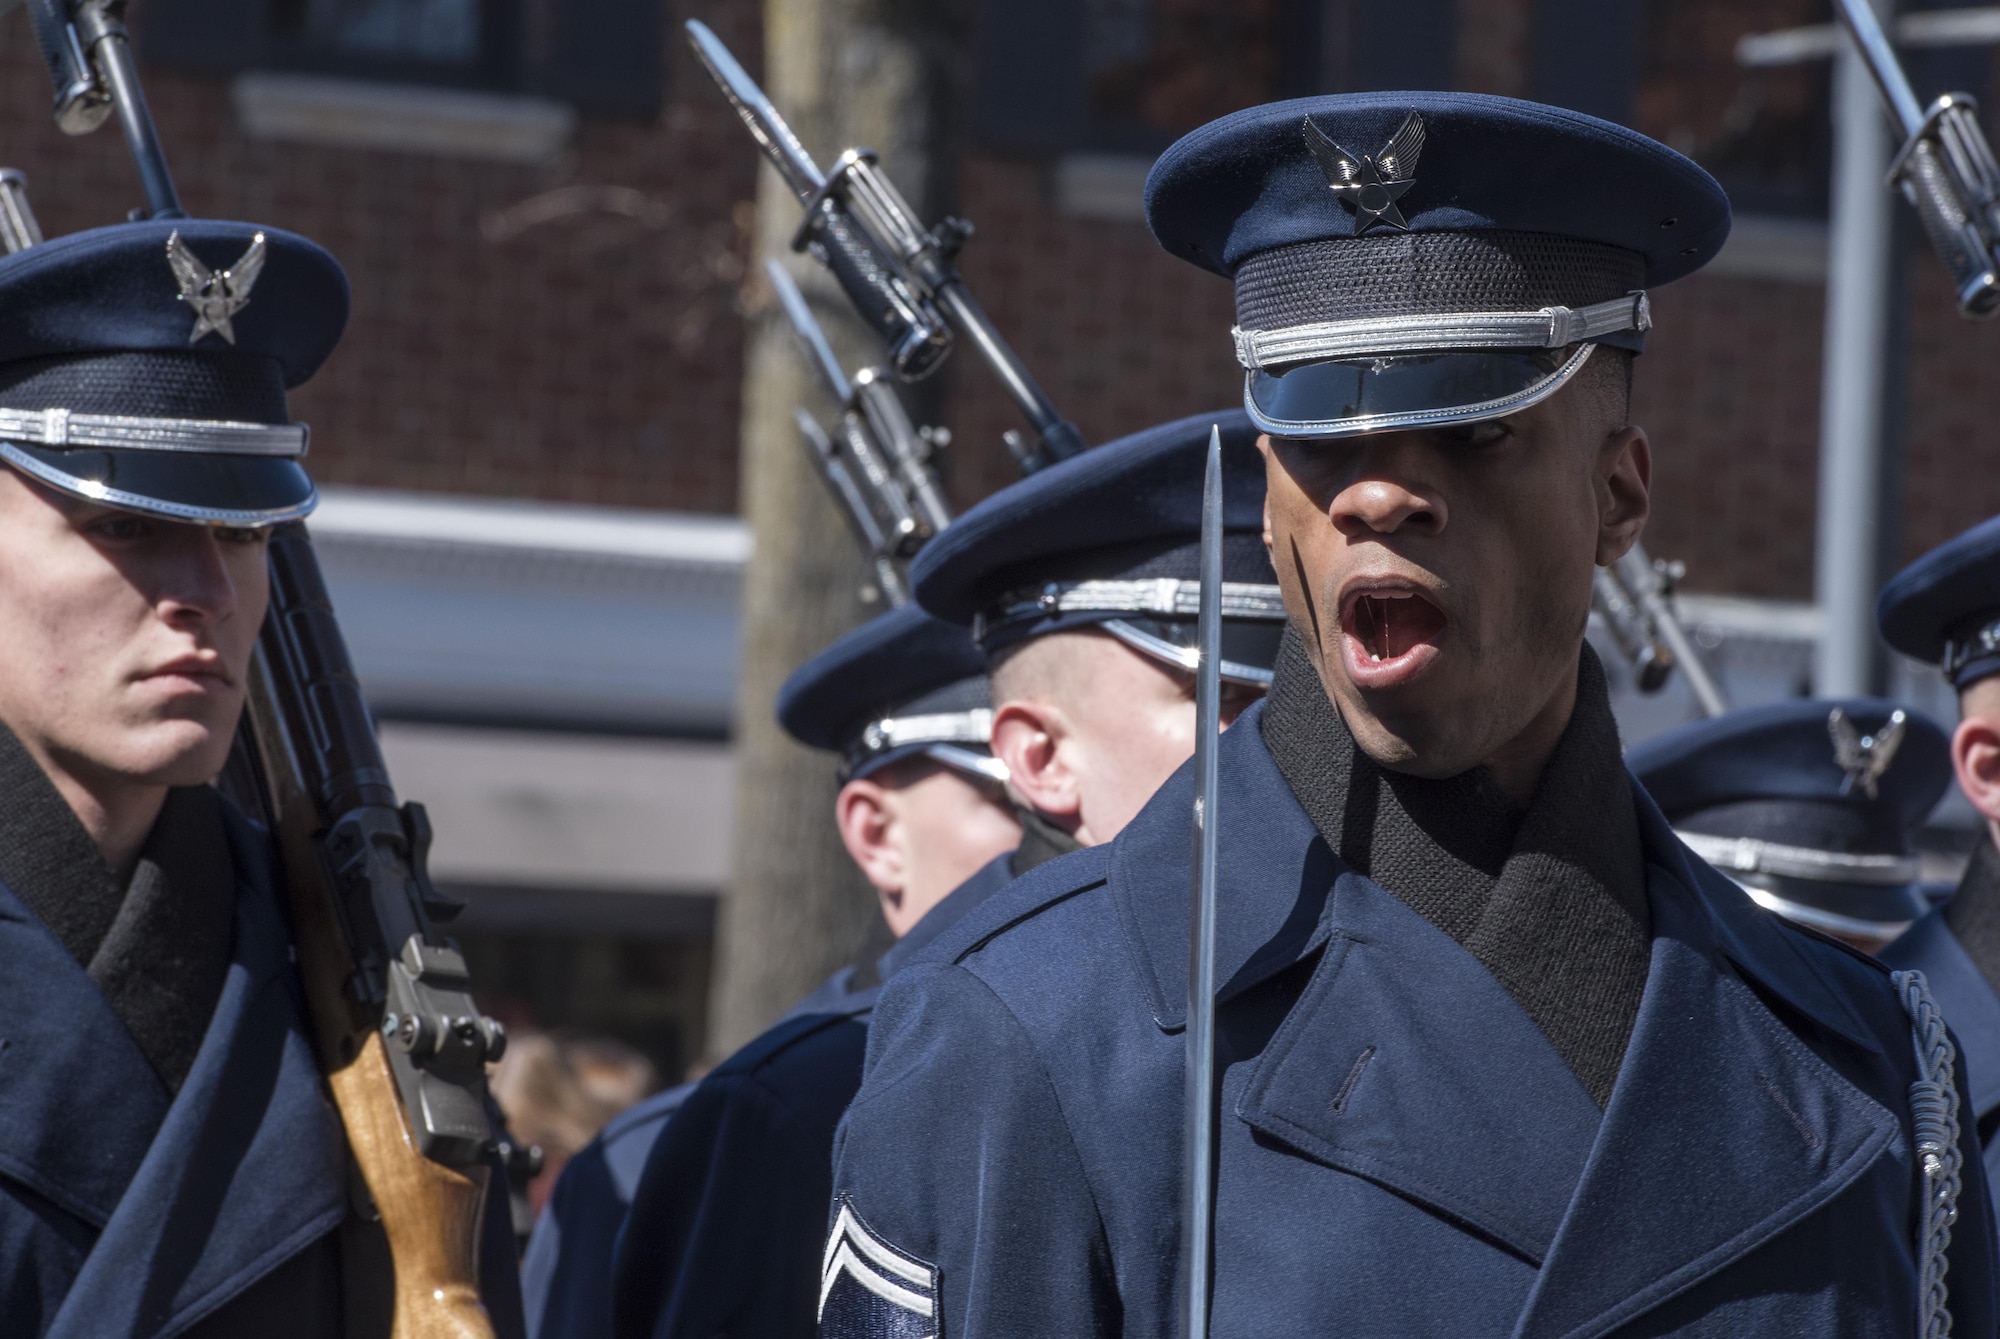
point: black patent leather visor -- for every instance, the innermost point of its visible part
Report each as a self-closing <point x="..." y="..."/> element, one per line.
<point x="1349" y="396"/>
<point x="195" y="487"/>
<point x="1249" y="648"/>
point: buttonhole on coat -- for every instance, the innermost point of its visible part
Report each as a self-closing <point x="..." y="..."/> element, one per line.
<point x="1806" y="1132"/>
<point x="1353" y="1077"/>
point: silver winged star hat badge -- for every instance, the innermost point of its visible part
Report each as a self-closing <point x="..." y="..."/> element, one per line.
<point x="1371" y="186"/>
<point x="1864" y="757"/>
<point x="215" y="295"/>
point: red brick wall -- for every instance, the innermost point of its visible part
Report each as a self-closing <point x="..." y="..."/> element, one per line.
<point x="1120" y="334"/>
<point x="592" y="359"/>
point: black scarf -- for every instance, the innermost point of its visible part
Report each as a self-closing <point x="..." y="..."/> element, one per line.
<point x="159" y="948"/>
<point x="1973" y="914"/>
<point x="1551" y="901"/>
<point x="1041" y="841"/>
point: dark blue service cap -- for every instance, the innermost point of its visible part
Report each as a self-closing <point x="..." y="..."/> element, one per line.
<point x="1112" y="539"/>
<point x="1811" y="804"/>
<point x="901" y="684"/>
<point x="1422" y="259"/>
<point x="145" y="366"/>
<point x="1945" y="606"/>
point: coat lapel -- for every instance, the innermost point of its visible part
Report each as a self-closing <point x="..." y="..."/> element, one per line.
<point x="1723" y="1124"/>
<point x="1274" y="875"/>
<point x="248" y="1167"/>
<point x="79" y="1105"/>
<point x="1406" y="1062"/>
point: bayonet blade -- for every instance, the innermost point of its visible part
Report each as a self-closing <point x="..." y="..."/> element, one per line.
<point x="1198" y="1192"/>
<point x="768" y="128"/>
<point x="812" y="337"/>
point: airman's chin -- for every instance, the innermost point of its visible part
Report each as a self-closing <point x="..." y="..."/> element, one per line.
<point x="175" y="752"/>
<point x="1414" y="743"/>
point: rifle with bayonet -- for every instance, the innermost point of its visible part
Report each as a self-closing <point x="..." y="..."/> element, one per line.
<point x="399" y="1039"/>
<point x="901" y="278"/>
<point x="878" y="465"/>
<point x="1635" y="599"/>
<point x="1945" y="168"/>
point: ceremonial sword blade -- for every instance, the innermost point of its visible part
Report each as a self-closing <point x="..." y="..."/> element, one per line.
<point x="1198" y="1202"/>
<point x="768" y="128"/>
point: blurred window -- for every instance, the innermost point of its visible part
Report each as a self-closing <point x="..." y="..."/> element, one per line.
<point x="1766" y="134"/>
<point x="444" y="31"/>
<point x="1155" y="69"/>
<point x="1131" y="76"/>
<point x="458" y="42"/>
<point x="601" y="55"/>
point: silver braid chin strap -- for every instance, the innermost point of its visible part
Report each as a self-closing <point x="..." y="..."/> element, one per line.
<point x="1934" y="1112"/>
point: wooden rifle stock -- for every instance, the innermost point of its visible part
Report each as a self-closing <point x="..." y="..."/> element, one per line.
<point x="353" y="873"/>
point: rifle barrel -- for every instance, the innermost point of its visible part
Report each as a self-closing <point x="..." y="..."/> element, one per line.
<point x="1872" y="41"/>
<point x="113" y="53"/>
<point x="1059" y="437"/>
<point x="18" y="228"/>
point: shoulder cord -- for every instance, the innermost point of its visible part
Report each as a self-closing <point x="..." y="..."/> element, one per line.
<point x="1934" y="1113"/>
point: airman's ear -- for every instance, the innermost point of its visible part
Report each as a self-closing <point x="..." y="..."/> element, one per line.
<point x="1975" y="756"/>
<point x="1624" y="492"/>
<point x="1028" y="737"/>
<point x="870" y="828"/>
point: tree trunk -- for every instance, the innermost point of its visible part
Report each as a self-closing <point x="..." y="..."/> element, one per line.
<point x="876" y="73"/>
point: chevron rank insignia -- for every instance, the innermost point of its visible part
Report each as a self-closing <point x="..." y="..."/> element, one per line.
<point x="870" y="1290"/>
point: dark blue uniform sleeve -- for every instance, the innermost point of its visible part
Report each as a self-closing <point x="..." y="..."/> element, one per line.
<point x="727" y="1220"/>
<point x="961" y="1204"/>
<point x="566" y="1274"/>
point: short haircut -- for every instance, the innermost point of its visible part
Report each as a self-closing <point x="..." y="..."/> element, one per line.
<point x="1039" y="669"/>
<point x="1607" y="379"/>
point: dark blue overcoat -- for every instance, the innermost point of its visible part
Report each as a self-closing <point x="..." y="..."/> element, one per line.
<point x="566" y="1274"/>
<point x="127" y="1214"/>
<point x="1402" y="1151"/>
<point x="727" y="1222"/>
<point x="1972" y="1009"/>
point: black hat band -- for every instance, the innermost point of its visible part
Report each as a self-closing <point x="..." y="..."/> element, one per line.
<point x="1427" y="273"/>
<point x="1972" y="654"/>
<point x="198" y="435"/>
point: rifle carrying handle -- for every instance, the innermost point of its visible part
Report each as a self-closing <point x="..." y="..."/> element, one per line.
<point x="917" y="342"/>
<point x="1927" y="181"/>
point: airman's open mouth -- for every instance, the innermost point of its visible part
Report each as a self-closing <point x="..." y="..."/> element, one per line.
<point x="1389" y="624"/>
